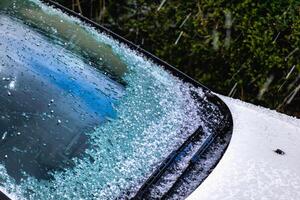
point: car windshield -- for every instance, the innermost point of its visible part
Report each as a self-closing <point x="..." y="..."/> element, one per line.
<point x="82" y="115"/>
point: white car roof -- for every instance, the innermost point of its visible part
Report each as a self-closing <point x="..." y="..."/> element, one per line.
<point x="250" y="168"/>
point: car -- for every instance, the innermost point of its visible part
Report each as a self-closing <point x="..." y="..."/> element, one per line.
<point x="87" y="114"/>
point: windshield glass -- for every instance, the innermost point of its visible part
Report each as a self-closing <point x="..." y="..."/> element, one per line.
<point x="83" y="116"/>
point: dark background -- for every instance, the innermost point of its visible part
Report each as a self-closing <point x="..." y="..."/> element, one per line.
<point x="245" y="49"/>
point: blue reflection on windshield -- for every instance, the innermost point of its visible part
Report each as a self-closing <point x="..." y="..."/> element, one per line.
<point x="50" y="98"/>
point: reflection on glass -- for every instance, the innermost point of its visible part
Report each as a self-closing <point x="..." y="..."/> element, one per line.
<point x="50" y="97"/>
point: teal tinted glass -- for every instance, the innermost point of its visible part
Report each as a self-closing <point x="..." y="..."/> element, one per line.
<point x="83" y="116"/>
<point x="50" y="98"/>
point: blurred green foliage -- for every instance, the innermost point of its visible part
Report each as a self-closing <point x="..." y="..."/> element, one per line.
<point x="246" y="48"/>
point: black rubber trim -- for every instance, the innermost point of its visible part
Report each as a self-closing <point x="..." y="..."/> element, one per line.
<point x="3" y="196"/>
<point x="213" y="98"/>
<point x="131" y="45"/>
